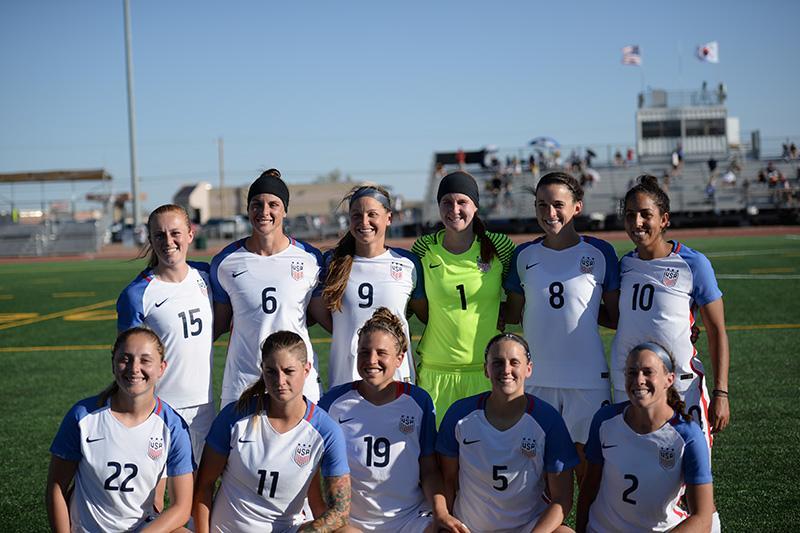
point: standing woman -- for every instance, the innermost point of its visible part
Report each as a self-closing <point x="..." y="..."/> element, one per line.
<point x="464" y="267"/>
<point x="117" y="446"/>
<point x="171" y="297"/>
<point x="663" y="283"/>
<point x="364" y="274"/>
<point x="262" y="284"/>
<point x="625" y="488"/>
<point x="390" y="428"/>
<point x="506" y="456"/>
<point x="267" y="447"/>
<point x="565" y="282"/>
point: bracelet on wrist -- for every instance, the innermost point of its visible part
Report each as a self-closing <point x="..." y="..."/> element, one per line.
<point x="719" y="393"/>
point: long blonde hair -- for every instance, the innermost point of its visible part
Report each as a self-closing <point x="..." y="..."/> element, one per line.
<point x="342" y="260"/>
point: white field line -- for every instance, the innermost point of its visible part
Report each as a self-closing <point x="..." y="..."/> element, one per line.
<point x="743" y="253"/>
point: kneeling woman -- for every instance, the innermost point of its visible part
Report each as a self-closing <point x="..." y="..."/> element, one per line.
<point x="643" y="454"/>
<point x="503" y="452"/>
<point x="390" y="427"/>
<point x="117" y="446"/>
<point x="267" y="447"/>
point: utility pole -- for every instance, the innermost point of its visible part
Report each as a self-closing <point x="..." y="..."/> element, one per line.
<point x="221" y="158"/>
<point x="131" y="116"/>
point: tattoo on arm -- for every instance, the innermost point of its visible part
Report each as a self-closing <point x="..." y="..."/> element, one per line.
<point x="336" y="491"/>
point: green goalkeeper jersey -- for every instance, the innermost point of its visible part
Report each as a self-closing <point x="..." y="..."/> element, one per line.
<point x="464" y="295"/>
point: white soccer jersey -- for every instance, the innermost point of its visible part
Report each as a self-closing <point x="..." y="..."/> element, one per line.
<point x="658" y="299"/>
<point x="384" y="445"/>
<point x="502" y="474"/>
<point x="563" y="290"/>
<point x="267" y="475"/>
<point x="181" y="315"/>
<point x="644" y="476"/>
<point x="388" y="280"/>
<point x="118" y="466"/>
<point x="267" y="294"/>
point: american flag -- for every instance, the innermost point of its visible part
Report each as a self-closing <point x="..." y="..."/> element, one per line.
<point x="631" y="55"/>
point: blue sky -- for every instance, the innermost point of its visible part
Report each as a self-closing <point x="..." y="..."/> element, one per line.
<point x="371" y="88"/>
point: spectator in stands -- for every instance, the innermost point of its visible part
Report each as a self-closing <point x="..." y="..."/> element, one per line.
<point x="785" y="151"/>
<point x="461" y="158"/>
<point x="712" y="165"/>
<point x="774" y="176"/>
<point x="629" y="155"/>
<point x="793" y="151"/>
<point x="618" y="160"/>
<point x="590" y="154"/>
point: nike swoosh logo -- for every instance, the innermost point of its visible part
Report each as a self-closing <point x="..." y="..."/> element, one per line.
<point x="465" y="441"/>
<point x="244" y="441"/>
<point x="90" y="440"/>
<point x="626" y="271"/>
<point x="434" y="266"/>
<point x="528" y="267"/>
<point x="344" y="420"/>
<point x="237" y="274"/>
<point x="159" y="304"/>
<point x="605" y="446"/>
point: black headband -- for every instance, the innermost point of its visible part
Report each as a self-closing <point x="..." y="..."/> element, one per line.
<point x="270" y="183"/>
<point x="458" y="182"/>
<point x="371" y="192"/>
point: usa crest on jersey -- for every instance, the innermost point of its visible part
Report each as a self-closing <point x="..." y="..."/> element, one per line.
<point x="587" y="264"/>
<point x="670" y="277"/>
<point x="155" y="448"/>
<point x="406" y="424"/>
<point x="528" y="447"/>
<point x="302" y="454"/>
<point x="203" y="287"/>
<point x="666" y="457"/>
<point x="297" y="270"/>
<point x="483" y="266"/>
<point x="396" y="270"/>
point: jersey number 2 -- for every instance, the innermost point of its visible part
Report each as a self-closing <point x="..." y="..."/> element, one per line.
<point x="626" y="495"/>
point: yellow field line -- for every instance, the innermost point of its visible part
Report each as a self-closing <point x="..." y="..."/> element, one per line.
<point x="322" y="340"/>
<point x="42" y="318"/>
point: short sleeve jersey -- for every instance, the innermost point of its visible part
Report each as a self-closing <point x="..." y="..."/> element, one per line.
<point x="643" y="475"/>
<point x="501" y="474"/>
<point x="119" y="466"/>
<point x="267" y="475"/>
<point x="388" y="280"/>
<point x="384" y="445"/>
<point x="563" y="290"/>
<point x="181" y="315"/>
<point x="658" y="299"/>
<point x="267" y="294"/>
<point x="464" y="295"/>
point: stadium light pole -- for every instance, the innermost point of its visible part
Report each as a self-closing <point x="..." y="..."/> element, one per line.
<point x="131" y="116"/>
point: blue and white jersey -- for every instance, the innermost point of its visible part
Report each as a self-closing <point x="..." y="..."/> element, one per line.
<point x="563" y="290"/>
<point x="267" y="294"/>
<point x="501" y="474"/>
<point x="644" y="476"/>
<point x="267" y="475"/>
<point x="658" y="299"/>
<point x="384" y="446"/>
<point x="181" y="315"/>
<point x="119" y="466"/>
<point x="388" y="280"/>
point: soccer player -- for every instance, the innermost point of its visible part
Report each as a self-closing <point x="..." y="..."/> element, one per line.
<point x="565" y="282"/>
<point x="116" y="446"/>
<point x="172" y="297"/>
<point x="464" y="266"/>
<point x="267" y="447"/>
<point x="364" y="274"/>
<point x="506" y="456"/>
<point x="643" y="454"/>
<point x="390" y="429"/>
<point x="261" y="284"/>
<point x="663" y="284"/>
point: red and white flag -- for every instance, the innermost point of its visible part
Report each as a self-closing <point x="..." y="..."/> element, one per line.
<point x="708" y="52"/>
<point x="631" y="55"/>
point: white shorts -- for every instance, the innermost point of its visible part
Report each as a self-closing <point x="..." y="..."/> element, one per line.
<point x="415" y="523"/>
<point x="199" y="419"/>
<point x="697" y="403"/>
<point x="576" y="406"/>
